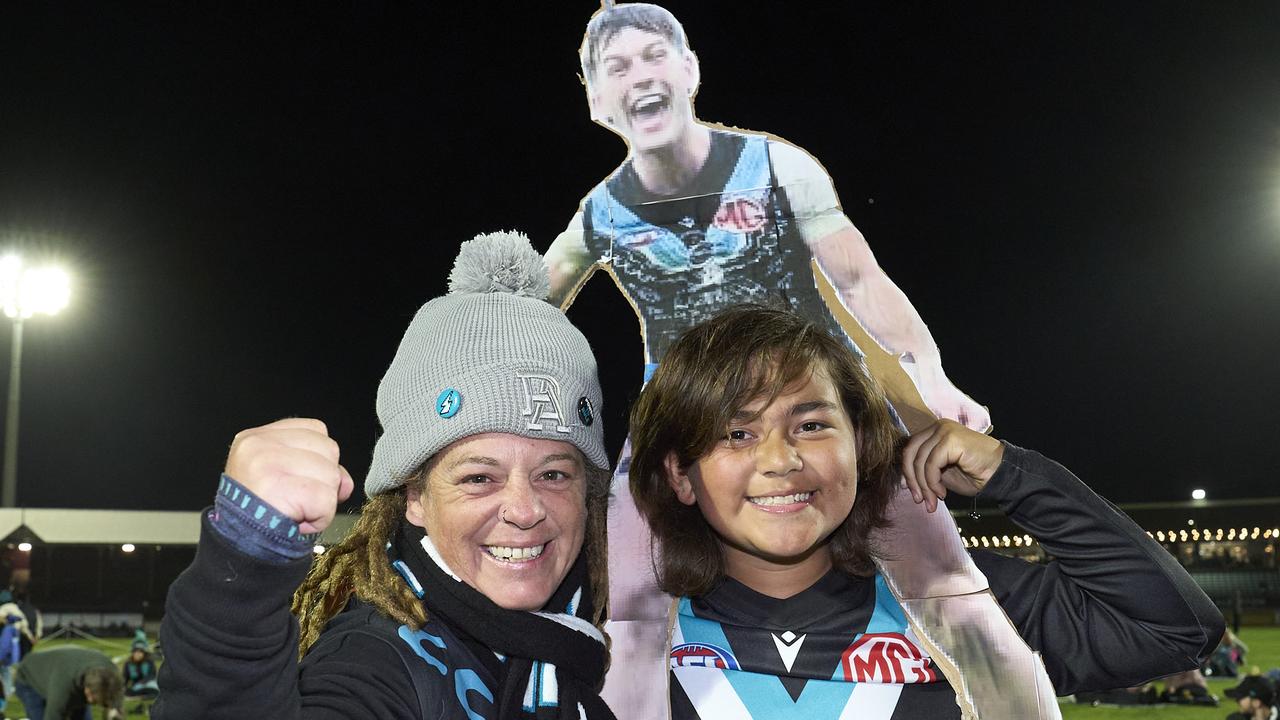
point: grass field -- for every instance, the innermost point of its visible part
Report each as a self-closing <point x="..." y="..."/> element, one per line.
<point x="1263" y="642"/>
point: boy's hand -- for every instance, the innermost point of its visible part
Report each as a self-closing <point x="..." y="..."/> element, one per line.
<point x="292" y="465"/>
<point x="948" y="456"/>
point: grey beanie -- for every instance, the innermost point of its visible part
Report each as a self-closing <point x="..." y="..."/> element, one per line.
<point x="490" y="356"/>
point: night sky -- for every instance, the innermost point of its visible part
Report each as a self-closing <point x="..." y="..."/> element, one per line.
<point x="1081" y="199"/>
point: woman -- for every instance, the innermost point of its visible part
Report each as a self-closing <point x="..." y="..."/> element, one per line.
<point x="470" y="587"/>
<point x="763" y="459"/>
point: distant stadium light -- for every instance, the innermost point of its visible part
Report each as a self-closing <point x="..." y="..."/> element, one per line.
<point x="1197" y="494"/>
<point x="24" y="546"/>
<point x="1160" y="535"/>
<point x="1254" y="535"/>
<point x="1191" y="522"/>
<point x="1028" y="539"/>
<point x="127" y="547"/>
<point x="318" y="549"/>
<point x="24" y="292"/>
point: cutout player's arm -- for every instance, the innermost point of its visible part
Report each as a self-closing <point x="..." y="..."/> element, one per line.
<point x="865" y="289"/>
<point x="569" y="263"/>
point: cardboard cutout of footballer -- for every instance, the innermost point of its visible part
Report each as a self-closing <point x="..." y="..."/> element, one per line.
<point x="700" y="217"/>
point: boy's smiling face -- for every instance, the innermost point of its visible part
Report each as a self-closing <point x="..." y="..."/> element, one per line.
<point x="778" y="484"/>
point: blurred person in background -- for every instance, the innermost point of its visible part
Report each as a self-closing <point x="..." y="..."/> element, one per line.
<point x="1255" y="696"/>
<point x="139" y="673"/>
<point x="64" y="683"/>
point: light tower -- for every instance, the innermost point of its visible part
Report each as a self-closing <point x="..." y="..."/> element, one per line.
<point x="24" y="292"/>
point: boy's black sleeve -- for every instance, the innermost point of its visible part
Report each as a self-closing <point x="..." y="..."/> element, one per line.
<point x="1112" y="608"/>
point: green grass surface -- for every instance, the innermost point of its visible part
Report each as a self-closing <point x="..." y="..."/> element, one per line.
<point x="115" y="648"/>
<point x="1264" y="651"/>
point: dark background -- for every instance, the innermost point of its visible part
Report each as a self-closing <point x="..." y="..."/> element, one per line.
<point x="1081" y="199"/>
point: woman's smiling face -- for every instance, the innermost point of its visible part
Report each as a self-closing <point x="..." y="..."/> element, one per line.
<point x="507" y="514"/>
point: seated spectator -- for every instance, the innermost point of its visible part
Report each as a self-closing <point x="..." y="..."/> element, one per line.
<point x="1256" y="698"/>
<point x="1227" y="657"/>
<point x="1187" y="688"/>
<point x="140" y="675"/>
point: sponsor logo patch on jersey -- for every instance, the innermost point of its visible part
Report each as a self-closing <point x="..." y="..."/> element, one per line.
<point x="738" y="214"/>
<point x="702" y="655"/>
<point x="886" y="658"/>
<point x="637" y="240"/>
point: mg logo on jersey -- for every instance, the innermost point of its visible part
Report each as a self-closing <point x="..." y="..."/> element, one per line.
<point x="542" y="403"/>
<point x="738" y="214"/>
<point x="702" y="655"/>
<point x="886" y="658"/>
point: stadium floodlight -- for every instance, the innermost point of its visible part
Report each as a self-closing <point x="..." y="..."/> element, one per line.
<point x="24" y="546"/>
<point x="127" y="547"/>
<point x="24" y="292"/>
<point x="1197" y="494"/>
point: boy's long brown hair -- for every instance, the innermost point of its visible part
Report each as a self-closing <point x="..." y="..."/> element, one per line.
<point x="358" y="566"/>
<point x="711" y="372"/>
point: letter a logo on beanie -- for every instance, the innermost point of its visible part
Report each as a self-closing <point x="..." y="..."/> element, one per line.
<point x="542" y="402"/>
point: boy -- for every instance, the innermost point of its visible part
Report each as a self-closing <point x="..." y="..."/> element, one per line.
<point x="763" y="458"/>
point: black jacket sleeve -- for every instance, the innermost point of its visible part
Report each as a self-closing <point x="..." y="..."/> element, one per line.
<point x="231" y="649"/>
<point x="1112" y="608"/>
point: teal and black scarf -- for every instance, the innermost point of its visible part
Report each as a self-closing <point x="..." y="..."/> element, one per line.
<point x="555" y="659"/>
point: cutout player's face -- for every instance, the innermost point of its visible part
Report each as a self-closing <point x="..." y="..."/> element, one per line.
<point x="643" y="89"/>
